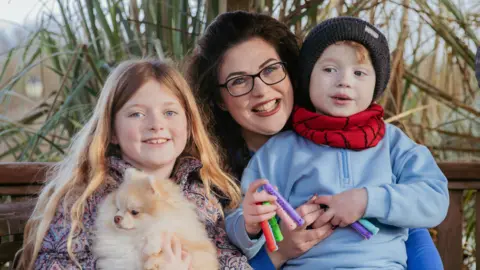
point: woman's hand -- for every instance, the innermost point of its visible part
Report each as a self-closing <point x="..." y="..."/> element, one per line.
<point x="300" y="240"/>
<point x="254" y="214"/>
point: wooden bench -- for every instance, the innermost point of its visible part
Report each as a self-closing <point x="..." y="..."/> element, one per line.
<point x="22" y="180"/>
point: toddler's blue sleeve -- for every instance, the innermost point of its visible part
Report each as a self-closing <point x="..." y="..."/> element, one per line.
<point x="418" y="196"/>
<point x="235" y="222"/>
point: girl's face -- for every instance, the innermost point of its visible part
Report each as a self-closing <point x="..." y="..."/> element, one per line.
<point x="151" y="128"/>
<point x="266" y="108"/>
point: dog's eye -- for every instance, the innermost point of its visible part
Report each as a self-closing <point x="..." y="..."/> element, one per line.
<point x="134" y="212"/>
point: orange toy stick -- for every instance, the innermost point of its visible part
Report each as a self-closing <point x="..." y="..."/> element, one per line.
<point x="267" y="231"/>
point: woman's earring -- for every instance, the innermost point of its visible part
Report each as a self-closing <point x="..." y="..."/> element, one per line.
<point x="222" y="107"/>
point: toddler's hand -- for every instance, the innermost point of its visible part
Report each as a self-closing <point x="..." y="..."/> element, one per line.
<point x="346" y="207"/>
<point x="254" y="214"/>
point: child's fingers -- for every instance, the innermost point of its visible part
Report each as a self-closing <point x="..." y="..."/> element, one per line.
<point x="306" y="209"/>
<point x="336" y="221"/>
<point x="259" y="218"/>
<point x="343" y="224"/>
<point x="323" y="199"/>
<point x="167" y="244"/>
<point x="187" y="258"/>
<point x="324" y="218"/>
<point x="176" y="246"/>
<point x="252" y="188"/>
<point x="309" y="212"/>
<point x="185" y="255"/>
<point x="311" y="217"/>
<point x="256" y="210"/>
<point x="262" y="196"/>
<point x="312" y="199"/>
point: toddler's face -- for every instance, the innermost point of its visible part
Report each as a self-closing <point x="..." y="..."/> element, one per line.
<point x="341" y="85"/>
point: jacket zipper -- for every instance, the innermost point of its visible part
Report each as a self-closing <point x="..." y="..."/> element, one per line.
<point x="346" y="174"/>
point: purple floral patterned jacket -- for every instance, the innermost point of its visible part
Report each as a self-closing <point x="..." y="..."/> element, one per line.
<point x="53" y="254"/>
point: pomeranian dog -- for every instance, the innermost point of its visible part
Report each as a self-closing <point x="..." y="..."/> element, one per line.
<point x="132" y="220"/>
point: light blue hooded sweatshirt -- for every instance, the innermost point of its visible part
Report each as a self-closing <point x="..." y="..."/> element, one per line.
<point x="405" y="187"/>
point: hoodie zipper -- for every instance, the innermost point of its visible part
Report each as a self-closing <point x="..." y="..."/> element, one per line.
<point x="346" y="173"/>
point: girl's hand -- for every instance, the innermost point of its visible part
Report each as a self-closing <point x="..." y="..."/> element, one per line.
<point x="254" y="214"/>
<point x="346" y="207"/>
<point x="175" y="257"/>
<point x="300" y="240"/>
<point x="172" y="256"/>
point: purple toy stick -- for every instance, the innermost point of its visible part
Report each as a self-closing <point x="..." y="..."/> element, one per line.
<point x="361" y="230"/>
<point x="357" y="226"/>
<point x="284" y="204"/>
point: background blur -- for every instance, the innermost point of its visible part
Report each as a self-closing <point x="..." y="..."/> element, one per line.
<point x="56" y="54"/>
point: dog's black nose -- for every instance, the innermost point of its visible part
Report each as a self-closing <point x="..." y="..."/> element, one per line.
<point x="117" y="219"/>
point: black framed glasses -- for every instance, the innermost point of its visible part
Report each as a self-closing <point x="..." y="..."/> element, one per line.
<point x="243" y="84"/>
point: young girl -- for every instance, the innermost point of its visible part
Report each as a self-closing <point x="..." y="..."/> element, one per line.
<point x="343" y="150"/>
<point x="146" y="117"/>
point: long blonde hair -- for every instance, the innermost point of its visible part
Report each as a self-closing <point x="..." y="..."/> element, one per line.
<point x="73" y="180"/>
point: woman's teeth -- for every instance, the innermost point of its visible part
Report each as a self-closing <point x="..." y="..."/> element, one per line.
<point x="156" y="141"/>
<point x="266" y="106"/>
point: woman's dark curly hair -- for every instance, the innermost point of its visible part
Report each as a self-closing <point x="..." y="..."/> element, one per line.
<point x="226" y="31"/>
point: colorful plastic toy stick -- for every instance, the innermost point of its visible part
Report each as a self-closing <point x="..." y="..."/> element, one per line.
<point x="369" y="226"/>
<point x="277" y="233"/>
<point x="284" y="204"/>
<point x="269" y="238"/>
<point x="357" y="226"/>
<point x="361" y="230"/>
<point x="285" y="218"/>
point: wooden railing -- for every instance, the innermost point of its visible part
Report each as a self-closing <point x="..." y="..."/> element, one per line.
<point x="461" y="177"/>
<point x="25" y="179"/>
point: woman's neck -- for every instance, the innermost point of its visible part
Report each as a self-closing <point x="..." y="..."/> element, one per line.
<point x="254" y="140"/>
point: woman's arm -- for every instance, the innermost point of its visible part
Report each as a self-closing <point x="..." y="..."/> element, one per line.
<point x="262" y="260"/>
<point x="421" y="251"/>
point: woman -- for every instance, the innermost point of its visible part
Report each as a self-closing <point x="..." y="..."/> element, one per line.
<point x="237" y="48"/>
